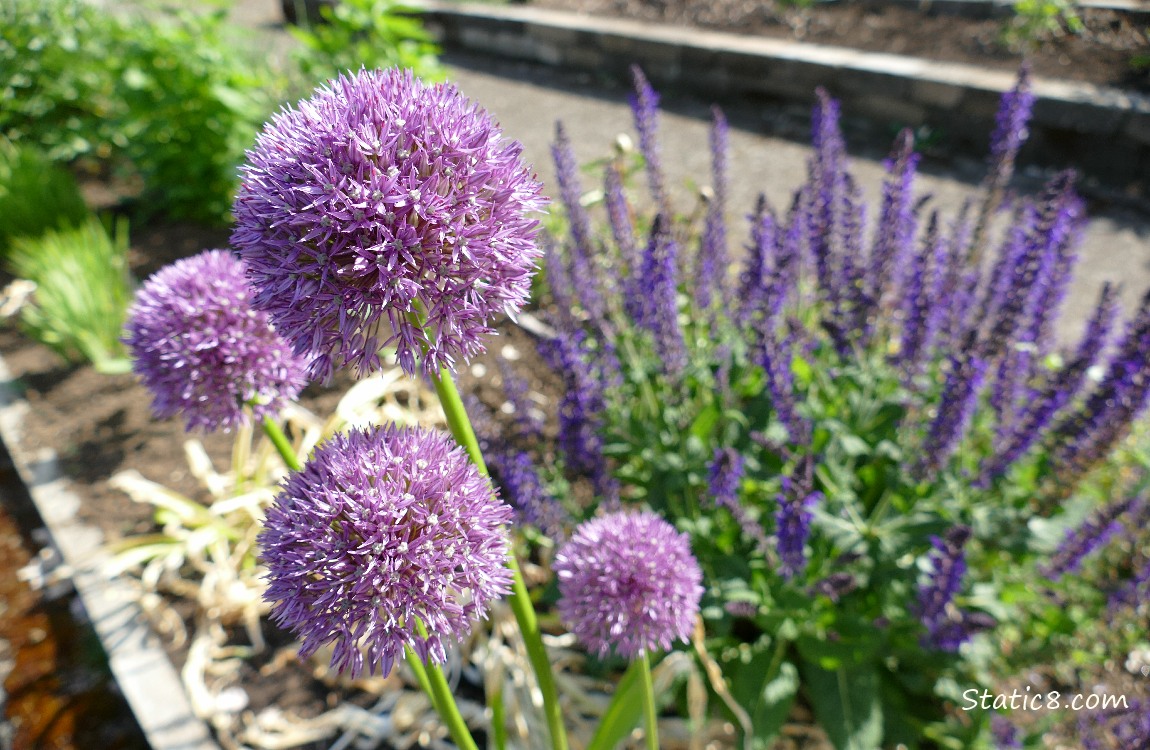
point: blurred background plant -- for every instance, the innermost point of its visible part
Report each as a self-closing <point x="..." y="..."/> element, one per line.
<point x="362" y="33"/>
<point x="874" y="434"/>
<point x="36" y="194"/>
<point x="1034" y="22"/>
<point x="82" y="291"/>
<point x="166" y="99"/>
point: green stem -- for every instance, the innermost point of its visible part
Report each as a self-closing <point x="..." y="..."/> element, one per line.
<point x="521" y="605"/>
<point x="444" y="703"/>
<point x="430" y="678"/>
<point x="649" y="710"/>
<point x="420" y="673"/>
<point x="280" y="441"/>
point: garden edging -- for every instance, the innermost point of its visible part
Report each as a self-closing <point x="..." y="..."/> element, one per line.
<point x="1104" y="130"/>
<point x="145" y="675"/>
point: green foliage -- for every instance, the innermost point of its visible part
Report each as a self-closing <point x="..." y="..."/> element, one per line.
<point x="365" y="33"/>
<point x="1037" y="21"/>
<point x="36" y="195"/>
<point x="83" y="290"/>
<point x="165" y="96"/>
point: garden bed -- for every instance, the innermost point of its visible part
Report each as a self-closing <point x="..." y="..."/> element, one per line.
<point x="1105" y="52"/>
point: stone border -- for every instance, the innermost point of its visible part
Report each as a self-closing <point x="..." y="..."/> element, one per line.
<point x="142" y="669"/>
<point x="1103" y="131"/>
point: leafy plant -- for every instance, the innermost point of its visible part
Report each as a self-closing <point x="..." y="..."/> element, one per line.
<point x="367" y="33"/>
<point x="165" y="97"/>
<point x="83" y="289"/>
<point x="858" y="435"/>
<point x="36" y="195"/>
<point x="1037" y="21"/>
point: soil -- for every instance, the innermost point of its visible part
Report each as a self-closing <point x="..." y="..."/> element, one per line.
<point x="1105" y="51"/>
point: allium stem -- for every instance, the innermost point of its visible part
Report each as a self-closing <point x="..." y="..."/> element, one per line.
<point x="460" y="426"/>
<point x="445" y="704"/>
<point x="649" y="711"/>
<point x="282" y="444"/>
<point x="420" y="673"/>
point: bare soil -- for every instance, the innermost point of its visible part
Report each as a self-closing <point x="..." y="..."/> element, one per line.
<point x="1105" y="51"/>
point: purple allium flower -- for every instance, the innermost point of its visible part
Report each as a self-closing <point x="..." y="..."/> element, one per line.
<point x="382" y="528"/>
<point x="201" y="349"/>
<point x="628" y="582"/>
<point x="1098" y="529"/>
<point x="792" y="527"/>
<point x="724" y="476"/>
<point x="379" y="199"/>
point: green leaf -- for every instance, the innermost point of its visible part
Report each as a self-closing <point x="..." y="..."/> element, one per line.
<point x="623" y="714"/>
<point x="847" y="704"/>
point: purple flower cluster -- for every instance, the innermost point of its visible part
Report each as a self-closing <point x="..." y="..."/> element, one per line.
<point x="382" y="211"/>
<point x="384" y="530"/>
<point x="201" y="349"/>
<point x="1104" y="417"/>
<point x="629" y="583"/>
<point x="948" y="627"/>
<point x="955" y="408"/>
<point x="1126" y="727"/>
<point x="581" y="407"/>
<point x="724" y="476"/>
<point x="1095" y="532"/>
<point x="793" y="526"/>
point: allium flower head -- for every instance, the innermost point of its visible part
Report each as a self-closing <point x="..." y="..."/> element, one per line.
<point x="628" y="581"/>
<point x="378" y="197"/>
<point x="202" y="350"/>
<point x="382" y="528"/>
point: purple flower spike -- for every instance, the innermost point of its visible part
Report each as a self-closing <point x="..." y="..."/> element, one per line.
<point x="955" y="410"/>
<point x="1093" y="534"/>
<point x="1010" y="128"/>
<point x="628" y="582"/>
<point x="792" y="527"/>
<point x="382" y="528"/>
<point x="944" y="625"/>
<point x="724" y="476"/>
<point x="645" y="111"/>
<point x="379" y="198"/>
<point x="203" y="352"/>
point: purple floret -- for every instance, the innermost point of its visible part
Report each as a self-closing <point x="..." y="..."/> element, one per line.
<point x="382" y="528"/>
<point x="201" y="349"/>
<point x="382" y="197"/>
<point x="628" y="582"/>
